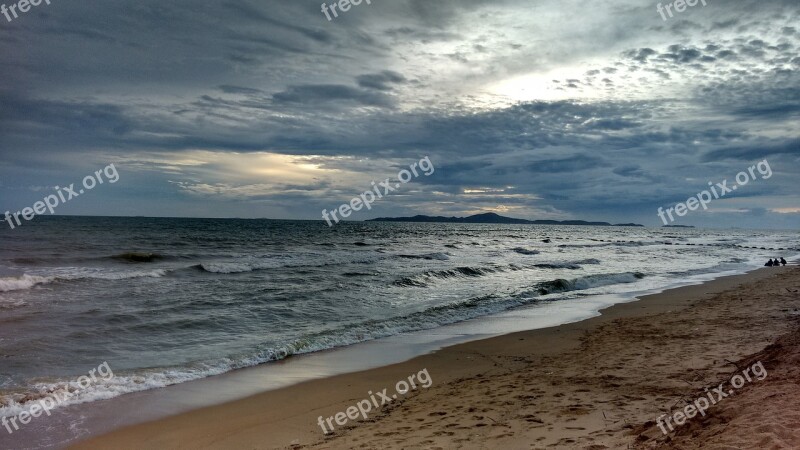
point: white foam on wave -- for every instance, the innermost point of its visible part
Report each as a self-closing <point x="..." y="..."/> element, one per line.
<point x="158" y="273"/>
<point x="22" y="282"/>
<point x="28" y="281"/>
<point x="71" y="393"/>
<point x="601" y="280"/>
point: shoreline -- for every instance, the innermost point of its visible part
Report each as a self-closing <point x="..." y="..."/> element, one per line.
<point x="81" y="421"/>
<point x="288" y="416"/>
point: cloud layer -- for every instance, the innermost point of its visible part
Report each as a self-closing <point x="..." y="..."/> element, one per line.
<point x="553" y="109"/>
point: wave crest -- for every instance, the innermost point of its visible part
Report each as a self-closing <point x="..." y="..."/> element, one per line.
<point x="138" y="257"/>
<point x="587" y="282"/>
<point x="27" y="281"/>
<point x="422" y="280"/>
<point x="23" y="282"/>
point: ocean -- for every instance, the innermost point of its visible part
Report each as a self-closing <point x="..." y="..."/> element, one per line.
<point x="165" y="301"/>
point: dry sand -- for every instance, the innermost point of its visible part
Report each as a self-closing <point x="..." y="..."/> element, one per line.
<point x="595" y="384"/>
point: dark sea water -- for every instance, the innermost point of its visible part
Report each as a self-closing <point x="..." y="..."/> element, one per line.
<point x="165" y="301"/>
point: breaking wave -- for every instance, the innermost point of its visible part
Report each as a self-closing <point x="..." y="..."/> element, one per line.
<point x="422" y="280"/>
<point x="426" y="278"/>
<point x="587" y="282"/>
<point x="27" y="281"/>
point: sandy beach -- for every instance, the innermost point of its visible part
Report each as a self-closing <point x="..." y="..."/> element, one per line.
<point x="599" y="383"/>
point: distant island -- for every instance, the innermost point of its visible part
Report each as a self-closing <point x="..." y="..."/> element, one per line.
<point x="496" y="218"/>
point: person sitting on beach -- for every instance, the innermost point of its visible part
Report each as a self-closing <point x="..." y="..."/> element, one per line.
<point x="783" y="262"/>
<point x="769" y="263"/>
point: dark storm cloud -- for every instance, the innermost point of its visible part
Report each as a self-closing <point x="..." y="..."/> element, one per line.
<point x="755" y="151"/>
<point x="421" y="34"/>
<point x="381" y="81"/>
<point x="575" y="163"/>
<point x="680" y="54"/>
<point x="631" y="171"/>
<point x="25" y="116"/>
<point x="726" y="24"/>
<point x="640" y="55"/>
<point x="315" y="94"/>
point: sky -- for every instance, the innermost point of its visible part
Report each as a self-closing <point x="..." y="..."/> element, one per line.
<point x="535" y="109"/>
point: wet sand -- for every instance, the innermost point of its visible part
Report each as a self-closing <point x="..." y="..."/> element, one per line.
<point x="598" y="383"/>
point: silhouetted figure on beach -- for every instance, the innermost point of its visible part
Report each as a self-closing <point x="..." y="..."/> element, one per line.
<point x="769" y="263"/>
<point x="783" y="262"/>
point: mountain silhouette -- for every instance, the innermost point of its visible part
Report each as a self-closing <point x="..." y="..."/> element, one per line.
<point x="497" y="218"/>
